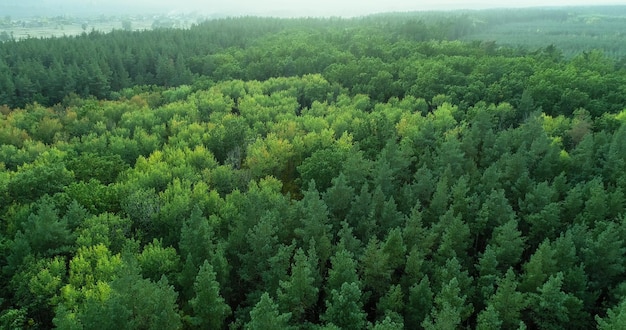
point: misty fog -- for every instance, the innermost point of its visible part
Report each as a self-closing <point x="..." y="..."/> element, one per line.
<point x="281" y="8"/>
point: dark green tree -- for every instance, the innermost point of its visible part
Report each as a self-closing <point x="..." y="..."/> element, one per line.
<point x="552" y="308"/>
<point x="210" y="310"/>
<point x="297" y="295"/>
<point x="419" y="304"/>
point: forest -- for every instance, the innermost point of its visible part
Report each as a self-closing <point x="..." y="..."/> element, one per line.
<point x="311" y="173"/>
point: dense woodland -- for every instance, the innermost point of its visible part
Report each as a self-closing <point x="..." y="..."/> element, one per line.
<point x="255" y="173"/>
<point x="573" y="29"/>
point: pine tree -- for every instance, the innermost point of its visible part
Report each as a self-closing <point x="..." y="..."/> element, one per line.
<point x="615" y="318"/>
<point x="47" y="234"/>
<point x="507" y="301"/>
<point x="297" y="295"/>
<point x="265" y="315"/>
<point x="541" y="265"/>
<point x="449" y="309"/>
<point x="196" y="237"/>
<point x="210" y="310"/>
<point x="552" y="308"/>
<point x="338" y="197"/>
<point x="487" y="273"/>
<point x="396" y="250"/>
<point x="488" y="319"/>
<point x="389" y="324"/>
<point x="315" y="222"/>
<point x="603" y="256"/>
<point x="342" y="270"/>
<point x="455" y="237"/>
<point x="347" y="240"/>
<point x="344" y="307"/>
<point x="391" y="304"/>
<point x="508" y="245"/>
<point x="359" y="217"/>
<point x="375" y="269"/>
<point x="419" y="304"/>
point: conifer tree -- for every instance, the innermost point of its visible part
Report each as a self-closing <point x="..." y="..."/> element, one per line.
<point x="265" y="315"/>
<point x="615" y="318"/>
<point x="419" y="304"/>
<point x="297" y="295"/>
<point x="507" y="301"/>
<point x="196" y="237"/>
<point x="344" y="307"/>
<point x="343" y="269"/>
<point x="210" y="310"/>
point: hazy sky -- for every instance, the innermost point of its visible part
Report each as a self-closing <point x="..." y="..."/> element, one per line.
<point x="359" y="6"/>
<point x="285" y="7"/>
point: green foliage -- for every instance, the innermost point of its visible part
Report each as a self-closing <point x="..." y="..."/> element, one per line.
<point x="367" y="173"/>
<point x="104" y="168"/>
<point x="419" y="304"/>
<point x="344" y="308"/>
<point x="614" y="319"/>
<point x="134" y="302"/>
<point x="210" y="310"/>
<point x="196" y="237"/>
<point x="47" y="175"/>
<point x="488" y="319"/>
<point x="551" y="307"/>
<point x="375" y="268"/>
<point x="297" y="295"/>
<point x="107" y="229"/>
<point x="265" y="315"/>
<point x="322" y="166"/>
<point x="448" y="308"/>
<point x="506" y="303"/>
<point x="342" y="270"/>
<point x="156" y="261"/>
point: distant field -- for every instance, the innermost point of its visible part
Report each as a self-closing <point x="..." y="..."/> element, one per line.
<point x="58" y="26"/>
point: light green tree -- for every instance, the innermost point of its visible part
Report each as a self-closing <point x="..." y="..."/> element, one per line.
<point x="265" y="315"/>
<point x="344" y="307"/>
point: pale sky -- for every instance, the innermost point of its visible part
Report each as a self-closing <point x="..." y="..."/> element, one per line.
<point x="311" y="7"/>
<point x="287" y="7"/>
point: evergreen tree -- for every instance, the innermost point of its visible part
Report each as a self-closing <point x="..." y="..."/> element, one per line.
<point x="388" y="324"/>
<point x="265" y="315"/>
<point x="210" y="310"/>
<point x="508" y="245"/>
<point x="375" y="269"/>
<point x="552" y="308"/>
<point x="196" y="237"/>
<point x="615" y="318"/>
<point x="488" y="272"/>
<point x="488" y="319"/>
<point x="507" y="302"/>
<point x="338" y="197"/>
<point x="419" y="304"/>
<point x="315" y="222"/>
<point x="342" y="270"/>
<point x="448" y="310"/>
<point x="297" y="295"/>
<point x="394" y="248"/>
<point x="344" y="308"/>
<point x="391" y="305"/>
